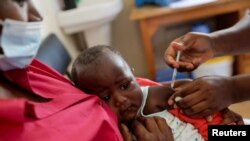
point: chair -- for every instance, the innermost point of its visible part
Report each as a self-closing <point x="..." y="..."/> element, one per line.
<point x="53" y="53"/>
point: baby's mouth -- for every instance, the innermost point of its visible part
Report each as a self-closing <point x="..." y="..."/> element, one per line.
<point x="128" y="110"/>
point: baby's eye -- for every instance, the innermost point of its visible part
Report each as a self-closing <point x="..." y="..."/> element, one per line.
<point x="20" y="2"/>
<point x="106" y="98"/>
<point x="125" y="86"/>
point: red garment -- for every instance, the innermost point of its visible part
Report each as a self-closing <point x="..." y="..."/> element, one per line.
<point x="69" y="114"/>
<point x="199" y="123"/>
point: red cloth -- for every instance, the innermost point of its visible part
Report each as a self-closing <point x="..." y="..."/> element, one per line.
<point x="69" y="114"/>
<point x="199" y="123"/>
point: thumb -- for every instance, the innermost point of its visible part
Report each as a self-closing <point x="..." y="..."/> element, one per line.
<point x="180" y="91"/>
<point x="172" y="97"/>
<point x="178" y="46"/>
<point x="125" y="132"/>
<point x="187" y="41"/>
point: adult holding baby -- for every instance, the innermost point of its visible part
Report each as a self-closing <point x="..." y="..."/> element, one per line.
<point x="38" y="103"/>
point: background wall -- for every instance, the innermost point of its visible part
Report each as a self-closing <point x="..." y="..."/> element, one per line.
<point x="126" y="38"/>
<point x="125" y="35"/>
<point x="49" y="9"/>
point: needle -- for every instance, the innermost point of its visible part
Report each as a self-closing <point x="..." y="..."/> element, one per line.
<point x="175" y="70"/>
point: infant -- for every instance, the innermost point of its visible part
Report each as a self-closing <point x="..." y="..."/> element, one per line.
<point x="101" y="71"/>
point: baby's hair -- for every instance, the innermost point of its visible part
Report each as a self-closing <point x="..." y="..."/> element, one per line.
<point x="20" y="2"/>
<point x="90" y="56"/>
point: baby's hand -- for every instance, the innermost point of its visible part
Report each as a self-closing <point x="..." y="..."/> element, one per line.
<point x="230" y="118"/>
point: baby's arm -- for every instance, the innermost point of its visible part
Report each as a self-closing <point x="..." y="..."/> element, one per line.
<point x="159" y="95"/>
<point x="157" y="99"/>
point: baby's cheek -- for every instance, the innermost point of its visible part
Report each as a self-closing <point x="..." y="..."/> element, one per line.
<point x="116" y="111"/>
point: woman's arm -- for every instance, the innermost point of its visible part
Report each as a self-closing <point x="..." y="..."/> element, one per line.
<point x="233" y="40"/>
<point x="197" y="48"/>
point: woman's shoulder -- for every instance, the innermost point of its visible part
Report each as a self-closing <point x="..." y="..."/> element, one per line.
<point x="7" y="90"/>
<point x="10" y="90"/>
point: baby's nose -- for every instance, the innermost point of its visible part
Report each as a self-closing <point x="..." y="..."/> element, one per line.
<point x="120" y="100"/>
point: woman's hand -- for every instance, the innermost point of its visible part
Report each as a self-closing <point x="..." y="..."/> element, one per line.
<point x="195" y="48"/>
<point x="204" y="96"/>
<point x="148" y="129"/>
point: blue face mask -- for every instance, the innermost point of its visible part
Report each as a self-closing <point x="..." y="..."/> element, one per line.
<point x="19" y="42"/>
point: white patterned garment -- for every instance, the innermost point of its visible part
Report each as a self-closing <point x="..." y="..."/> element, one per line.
<point x="181" y="131"/>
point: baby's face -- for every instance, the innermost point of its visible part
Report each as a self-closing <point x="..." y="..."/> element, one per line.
<point x="112" y="80"/>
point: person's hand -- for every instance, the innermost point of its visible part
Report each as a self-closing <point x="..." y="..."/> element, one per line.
<point x="148" y="129"/>
<point x="230" y="117"/>
<point x="195" y="48"/>
<point x="204" y="96"/>
<point x="33" y="14"/>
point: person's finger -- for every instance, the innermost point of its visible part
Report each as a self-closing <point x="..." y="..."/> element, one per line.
<point x="228" y="118"/>
<point x="189" y="60"/>
<point x="192" y="61"/>
<point x="170" y="54"/>
<point x="227" y="121"/>
<point x="240" y="122"/>
<point x="171" y="101"/>
<point x="196" y="61"/>
<point x="185" y="66"/>
<point x="178" y="46"/>
<point x="164" y="128"/>
<point x="138" y="128"/>
<point x="150" y="124"/>
<point x="231" y="117"/>
<point x="190" y="100"/>
<point x="171" y="61"/>
<point x="187" y="41"/>
<point x="125" y="132"/>
<point x="182" y="91"/>
<point x="197" y="108"/>
<point x="176" y="99"/>
<point x="162" y="124"/>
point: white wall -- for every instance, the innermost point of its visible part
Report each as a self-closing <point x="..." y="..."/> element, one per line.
<point x="126" y="39"/>
<point x="125" y="33"/>
<point x="49" y="9"/>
